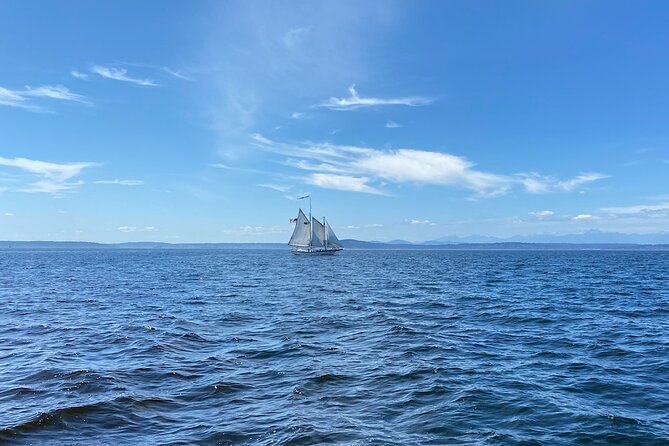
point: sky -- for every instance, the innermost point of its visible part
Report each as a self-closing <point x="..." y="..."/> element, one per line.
<point x="204" y="121"/>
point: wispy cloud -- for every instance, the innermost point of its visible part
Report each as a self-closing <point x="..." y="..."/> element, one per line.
<point x="585" y="217"/>
<point x="297" y="115"/>
<point x="220" y="166"/>
<point x="293" y="37"/>
<point x="579" y="180"/>
<point x="26" y="98"/>
<point x="355" y="101"/>
<point x="78" y="74"/>
<point x="54" y="176"/>
<point x="120" y="74"/>
<point x="539" y="184"/>
<point x="178" y="74"/>
<point x="9" y="214"/>
<point x="392" y="125"/>
<point x="638" y="209"/>
<point x="276" y="187"/>
<point x="421" y="222"/>
<point x="541" y="215"/>
<point x="121" y="182"/>
<point x="342" y="182"/>
<point x="357" y="169"/>
<point x="137" y="229"/>
<point x="261" y="63"/>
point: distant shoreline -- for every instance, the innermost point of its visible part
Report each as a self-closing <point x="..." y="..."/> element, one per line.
<point x="348" y="244"/>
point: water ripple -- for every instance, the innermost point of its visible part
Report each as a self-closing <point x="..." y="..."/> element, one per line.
<point x="393" y="347"/>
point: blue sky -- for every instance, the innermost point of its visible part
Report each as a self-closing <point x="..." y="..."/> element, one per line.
<point x="202" y="121"/>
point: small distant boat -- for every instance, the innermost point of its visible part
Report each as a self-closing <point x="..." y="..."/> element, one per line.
<point x="312" y="237"/>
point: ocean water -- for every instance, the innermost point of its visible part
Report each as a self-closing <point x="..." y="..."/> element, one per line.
<point x="367" y="347"/>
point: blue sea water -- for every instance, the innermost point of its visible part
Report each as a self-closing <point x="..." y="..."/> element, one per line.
<point x="236" y="347"/>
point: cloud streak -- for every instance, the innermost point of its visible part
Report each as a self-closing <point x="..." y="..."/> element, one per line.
<point x="364" y="169"/>
<point x="121" y="182"/>
<point x="54" y="177"/>
<point x="355" y="101"/>
<point x="638" y="209"/>
<point x="78" y="75"/>
<point x="120" y="74"/>
<point x="137" y="229"/>
<point x="178" y="74"/>
<point x="26" y="98"/>
<point x="541" y="215"/>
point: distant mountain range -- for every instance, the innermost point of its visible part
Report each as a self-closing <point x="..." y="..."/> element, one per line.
<point x="593" y="236"/>
<point x="586" y="240"/>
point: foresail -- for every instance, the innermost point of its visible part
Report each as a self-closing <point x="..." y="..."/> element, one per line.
<point x="333" y="241"/>
<point x="319" y="234"/>
<point x="301" y="234"/>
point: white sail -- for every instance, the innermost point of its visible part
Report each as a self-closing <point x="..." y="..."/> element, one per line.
<point x="318" y="235"/>
<point x="333" y="241"/>
<point x="301" y="234"/>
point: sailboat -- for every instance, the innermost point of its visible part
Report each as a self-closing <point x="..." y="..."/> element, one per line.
<point x="313" y="237"/>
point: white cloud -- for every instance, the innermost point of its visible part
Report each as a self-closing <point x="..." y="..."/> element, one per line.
<point x="392" y="125"/>
<point x="55" y="176"/>
<point x="137" y="229"/>
<point x="352" y="227"/>
<point x="53" y="171"/>
<point x="178" y="74"/>
<point x="579" y="180"/>
<point x="261" y="139"/>
<point x="373" y="225"/>
<point x="53" y="92"/>
<point x="120" y="74"/>
<point x="357" y="168"/>
<point x="539" y="184"/>
<point x="276" y="187"/>
<point x="541" y="214"/>
<point x="221" y="166"/>
<point x="354" y="101"/>
<point x="419" y="166"/>
<point x="297" y="115"/>
<point x="9" y="214"/>
<point x="51" y="187"/>
<point x="420" y="222"/>
<point x="26" y="98"/>
<point x="585" y="217"/>
<point x="121" y="182"/>
<point x="638" y="209"/>
<point x="342" y="182"/>
<point x="79" y="75"/>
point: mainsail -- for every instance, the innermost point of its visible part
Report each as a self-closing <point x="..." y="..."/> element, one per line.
<point x="318" y="236"/>
<point x="302" y="233"/>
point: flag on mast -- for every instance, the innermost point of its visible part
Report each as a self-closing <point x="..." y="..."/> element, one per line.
<point x="304" y="196"/>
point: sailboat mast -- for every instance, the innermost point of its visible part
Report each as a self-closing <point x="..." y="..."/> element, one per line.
<point x="311" y="227"/>
<point x="325" y="231"/>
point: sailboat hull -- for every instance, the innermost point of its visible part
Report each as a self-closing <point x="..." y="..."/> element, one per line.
<point x="321" y="252"/>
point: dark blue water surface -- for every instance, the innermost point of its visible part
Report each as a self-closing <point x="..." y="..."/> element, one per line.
<point x="366" y="347"/>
